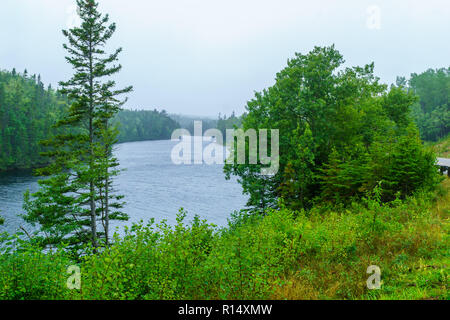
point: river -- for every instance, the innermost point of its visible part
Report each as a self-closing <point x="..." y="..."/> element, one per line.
<point x="153" y="186"/>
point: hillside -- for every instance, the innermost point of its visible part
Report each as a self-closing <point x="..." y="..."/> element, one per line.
<point x="28" y="112"/>
<point x="140" y="125"/>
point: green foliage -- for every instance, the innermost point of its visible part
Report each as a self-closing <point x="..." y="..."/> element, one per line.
<point x="333" y="125"/>
<point x="78" y="191"/>
<point x="27" y="113"/>
<point x="140" y="125"/>
<point x="298" y="174"/>
<point x="224" y="123"/>
<point x="397" y="103"/>
<point x="30" y="274"/>
<point x="406" y="167"/>
<point x="432" y="112"/>
<point x="400" y="163"/>
<point x="319" y="254"/>
<point x="344" y="180"/>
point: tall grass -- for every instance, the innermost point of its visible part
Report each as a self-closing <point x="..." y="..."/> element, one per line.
<point x="320" y="254"/>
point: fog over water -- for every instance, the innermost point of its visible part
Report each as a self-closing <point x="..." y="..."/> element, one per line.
<point x="153" y="187"/>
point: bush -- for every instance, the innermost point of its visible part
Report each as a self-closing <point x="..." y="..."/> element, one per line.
<point x="28" y="273"/>
<point x="323" y="253"/>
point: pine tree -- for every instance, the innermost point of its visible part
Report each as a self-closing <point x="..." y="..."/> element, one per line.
<point x="411" y="167"/>
<point x="79" y="190"/>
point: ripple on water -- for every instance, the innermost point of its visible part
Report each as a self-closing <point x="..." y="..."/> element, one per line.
<point x="152" y="185"/>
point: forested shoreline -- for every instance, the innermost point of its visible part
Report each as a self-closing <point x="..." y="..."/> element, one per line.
<point x="29" y="110"/>
<point x="284" y="250"/>
<point x="141" y="125"/>
<point x="27" y="113"/>
<point x="355" y="186"/>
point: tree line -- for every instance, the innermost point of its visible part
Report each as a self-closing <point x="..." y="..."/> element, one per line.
<point x="140" y="125"/>
<point x="342" y="134"/>
<point x="29" y="111"/>
<point x="432" y="110"/>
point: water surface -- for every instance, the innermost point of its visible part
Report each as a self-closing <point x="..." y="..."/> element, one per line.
<point x="153" y="187"/>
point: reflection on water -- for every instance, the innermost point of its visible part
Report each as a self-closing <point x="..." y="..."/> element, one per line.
<point x="153" y="186"/>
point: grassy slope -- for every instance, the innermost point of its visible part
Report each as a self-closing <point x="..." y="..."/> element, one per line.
<point x="442" y="147"/>
<point x="414" y="258"/>
<point x="322" y="254"/>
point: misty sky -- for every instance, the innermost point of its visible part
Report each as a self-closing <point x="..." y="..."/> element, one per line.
<point x="202" y="57"/>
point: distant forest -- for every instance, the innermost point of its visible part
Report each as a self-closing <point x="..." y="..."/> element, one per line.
<point x="27" y="113"/>
<point x="222" y="123"/>
<point x="28" y="110"/>
<point x="432" y="111"/>
<point x="140" y="125"/>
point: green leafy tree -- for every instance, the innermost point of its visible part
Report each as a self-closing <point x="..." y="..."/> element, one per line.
<point x="78" y="191"/>
<point x="432" y="111"/>
<point x="329" y="117"/>
<point x="224" y="123"/>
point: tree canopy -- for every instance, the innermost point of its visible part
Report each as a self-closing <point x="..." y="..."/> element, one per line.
<point x="341" y="133"/>
<point x="432" y="110"/>
<point x="28" y="111"/>
<point x="139" y="125"/>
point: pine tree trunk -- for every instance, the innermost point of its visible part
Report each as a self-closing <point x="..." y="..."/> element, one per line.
<point x="91" y="145"/>
<point x="92" y="189"/>
<point x="107" y="189"/>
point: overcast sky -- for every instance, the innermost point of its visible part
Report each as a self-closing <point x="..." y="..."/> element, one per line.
<point x="202" y="57"/>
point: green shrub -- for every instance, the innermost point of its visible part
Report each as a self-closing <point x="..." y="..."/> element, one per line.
<point x="30" y="274"/>
<point x="322" y="253"/>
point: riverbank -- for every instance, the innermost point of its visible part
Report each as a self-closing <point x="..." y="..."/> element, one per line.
<point x="153" y="186"/>
<point x="320" y="254"/>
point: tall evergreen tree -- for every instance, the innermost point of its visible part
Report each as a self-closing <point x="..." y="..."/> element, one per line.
<point x="78" y="192"/>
